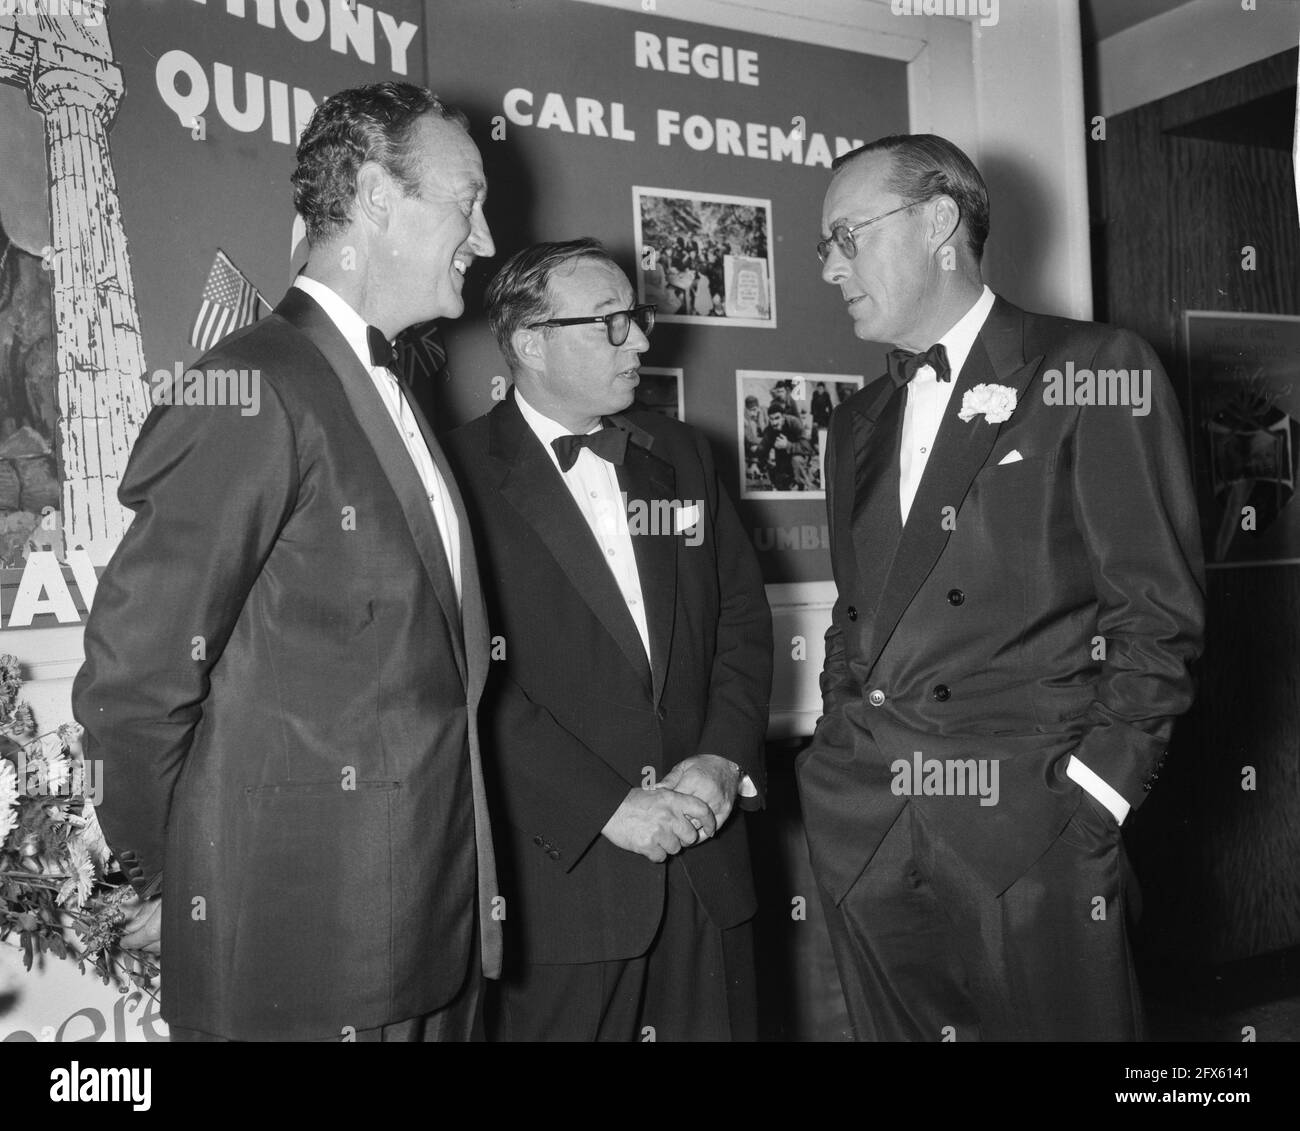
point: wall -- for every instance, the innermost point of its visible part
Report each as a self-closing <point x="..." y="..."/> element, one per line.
<point x="982" y="86"/>
<point x="1175" y="215"/>
<point x="1192" y="44"/>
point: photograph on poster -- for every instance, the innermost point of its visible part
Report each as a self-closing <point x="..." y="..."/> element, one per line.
<point x="660" y="390"/>
<point x="1244" y="378"/>
<point x="704" y="257"/>
<point x="781" y="423"/>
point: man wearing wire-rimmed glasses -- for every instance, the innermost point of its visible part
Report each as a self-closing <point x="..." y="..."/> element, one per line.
<point x="1019" y="597"/>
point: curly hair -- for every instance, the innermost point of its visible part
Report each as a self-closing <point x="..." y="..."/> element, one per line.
<point x="520" y="292"/>
<point x="367" y="123"/>
<point x="926" y="166"/>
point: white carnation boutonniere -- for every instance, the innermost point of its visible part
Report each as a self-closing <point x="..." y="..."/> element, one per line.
<point x="995" y="403"/>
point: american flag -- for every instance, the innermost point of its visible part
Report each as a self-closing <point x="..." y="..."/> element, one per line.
<point x="229" y="302"/>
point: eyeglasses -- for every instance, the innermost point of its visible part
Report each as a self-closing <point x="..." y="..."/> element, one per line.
<point x="618" y="324"/>
<point x="842" y="235"/>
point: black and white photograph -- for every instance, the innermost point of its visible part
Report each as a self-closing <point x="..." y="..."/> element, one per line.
<point x="782" y="420"/>
<point x="443" y="602"/>
<point x="705" y="258"/>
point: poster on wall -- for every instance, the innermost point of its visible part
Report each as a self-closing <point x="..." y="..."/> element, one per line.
<point x="781" y="423"/>
<point x="1244" y="383"/>
<point x="705" y="258"/>
<point x="660" y="390"/>
<point x="145" y="211"/>
<point x="699" y="156"/>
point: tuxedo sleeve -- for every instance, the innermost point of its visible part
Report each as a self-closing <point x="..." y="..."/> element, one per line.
<point x="740" y="685"/>
<point x="555" y="787"/>
<point x="1135" y="506"/>
<point x="210" y="489"/>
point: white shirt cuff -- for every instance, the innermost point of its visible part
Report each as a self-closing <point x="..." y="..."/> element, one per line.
<point x="1078" y="773"/>
<point x="747" y="787"/>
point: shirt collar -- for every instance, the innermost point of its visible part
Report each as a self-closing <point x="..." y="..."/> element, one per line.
<point x="544" y="428"/>
<point x="959" y="341"/>
<point x="350" y="324"/>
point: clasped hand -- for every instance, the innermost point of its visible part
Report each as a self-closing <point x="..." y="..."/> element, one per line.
<point x="690" y="804"/>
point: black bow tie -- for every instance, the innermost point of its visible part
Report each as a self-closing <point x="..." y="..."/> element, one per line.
<point x="609" y="443"/>
<point x="903" y="365"/>
<point x="382" y="354"/>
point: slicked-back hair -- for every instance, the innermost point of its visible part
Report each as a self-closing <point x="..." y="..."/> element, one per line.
<point x="376" y="123"/>
<point x="925" y="166"/>
<point x="520" y="294"/>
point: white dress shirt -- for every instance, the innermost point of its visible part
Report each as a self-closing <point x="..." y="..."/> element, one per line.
<point x="927" y="400"/>
<point x="353" y="328"/>
<point x="593" y="483"/>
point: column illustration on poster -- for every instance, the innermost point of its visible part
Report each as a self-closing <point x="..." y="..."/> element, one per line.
<point x="71" y="401"/>
<point x="76" y="297"/>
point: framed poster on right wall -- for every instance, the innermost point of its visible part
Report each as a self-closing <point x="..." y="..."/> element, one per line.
<point x="1244" y="402"/>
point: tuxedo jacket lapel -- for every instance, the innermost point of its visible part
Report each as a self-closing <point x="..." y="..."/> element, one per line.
<point x="477" y="633"/>
<point x="389" y="448"/>
<point x="871" y="509"/>
<point x="644" y="476"/>
<point x="961" y="448"/>
<point x="533" y="486"/>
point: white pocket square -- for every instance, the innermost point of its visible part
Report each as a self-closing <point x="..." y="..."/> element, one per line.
<point x="685" y="517"/>
<point x="1012" y="456"/>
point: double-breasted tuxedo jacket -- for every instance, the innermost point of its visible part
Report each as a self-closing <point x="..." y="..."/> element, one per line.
<point x="1027" y="611"/>
<point x="283" y="693"/>
<point x="575" y="715"/>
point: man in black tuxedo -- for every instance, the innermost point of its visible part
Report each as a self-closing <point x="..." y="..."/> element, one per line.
<point x="626" y="709"/>
<point x="1020" y="594"/>
<point x="286" y="651"/>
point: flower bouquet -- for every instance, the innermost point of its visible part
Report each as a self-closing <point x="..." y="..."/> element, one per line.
<point x="60" y="890"/>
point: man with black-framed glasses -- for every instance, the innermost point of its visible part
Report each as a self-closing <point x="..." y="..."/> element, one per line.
<point x="1020" y="593"/>
<point x="626" y="710"/>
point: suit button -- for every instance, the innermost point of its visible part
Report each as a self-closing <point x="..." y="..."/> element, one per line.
<point x="852" y="613"/>
<point x="661" y="713"/>
<point x="554" y="854"/>
<point x="538" y="841"/>
<point x="956" y="596"/>
<point x="876" y="698"/>
<point x="941" y="692"/>
<point x="1146" y="786"/>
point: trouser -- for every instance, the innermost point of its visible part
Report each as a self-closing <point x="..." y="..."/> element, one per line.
<point x="695" y="983"/>
<point x="927" y="951"/>
<point x="461" y="1019"/>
